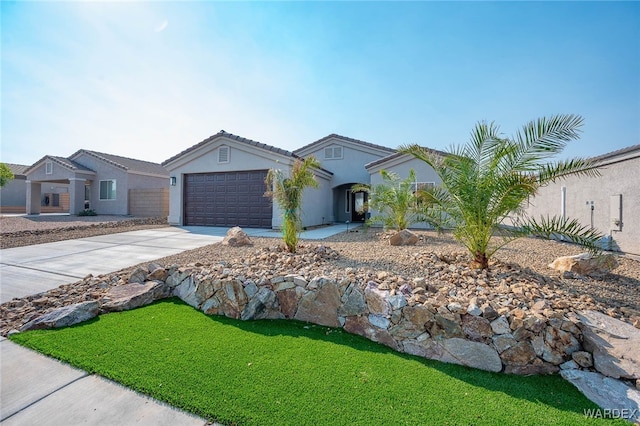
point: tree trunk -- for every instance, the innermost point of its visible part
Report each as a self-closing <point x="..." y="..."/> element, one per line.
<point x="481" y="261"/>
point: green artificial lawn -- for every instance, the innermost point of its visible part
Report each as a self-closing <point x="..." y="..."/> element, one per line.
<point x="287" y="372"/>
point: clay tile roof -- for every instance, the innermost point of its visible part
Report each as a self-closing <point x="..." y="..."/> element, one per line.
<point x="129" y="164"/>
<point x="65" y="162"/>
<point x="608" y="155"/>
<point x="17" y="169"/>
<point x="400" y="154"/>
<point x="333" y="135"/>
<point x="235" y="138"/>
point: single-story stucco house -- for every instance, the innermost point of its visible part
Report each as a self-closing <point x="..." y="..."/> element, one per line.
<point x="12" y="195"/>
<point x="220" y="181"/>
<point x="609" y="202"/>
<point x="105" y="183"/>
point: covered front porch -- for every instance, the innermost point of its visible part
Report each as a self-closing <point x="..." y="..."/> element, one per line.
<point x="50" y="172"/>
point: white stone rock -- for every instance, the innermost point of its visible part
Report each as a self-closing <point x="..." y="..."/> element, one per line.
<point x="500" y="325"/>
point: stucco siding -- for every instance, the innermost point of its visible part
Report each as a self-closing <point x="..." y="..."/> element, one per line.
<point x="581" y="193"/>
<point x="14" y="194"/>
<point x="350" y="168"/>
<point x="206" y="161"/>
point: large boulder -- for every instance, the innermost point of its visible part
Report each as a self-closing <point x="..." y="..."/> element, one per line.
<point x="65" y="316"/>
<point x="457" y="351"/>
<point x="320" y="306"/>
<point x="130" y="296"/>
<point x="585" y="263"/>
<point x="403" y="238"/>
<point x="236" y="237"/>
<point x="613" y="343"/>
<point x="609" y="394"/>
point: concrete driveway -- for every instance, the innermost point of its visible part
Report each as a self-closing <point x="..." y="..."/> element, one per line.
<point x="34" y="269"/>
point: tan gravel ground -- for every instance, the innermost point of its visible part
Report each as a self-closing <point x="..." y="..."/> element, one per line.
<point x="18" y="231"/>
<point x="525" y="260"/>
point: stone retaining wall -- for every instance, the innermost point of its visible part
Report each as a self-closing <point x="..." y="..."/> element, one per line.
<point x="475" y="336"/>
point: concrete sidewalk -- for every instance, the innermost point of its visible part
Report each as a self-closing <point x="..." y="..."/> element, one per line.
<point x="35" y="389"/>
<point x="34" y="269"/>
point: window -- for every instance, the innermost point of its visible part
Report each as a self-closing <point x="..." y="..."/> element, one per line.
<point x="347" y="202"/>
<point x="223" y="154"/>
<point x="423" y="186"/>
<point x="333" y="153"/>
<point x="108" y="189"/>
<point x="48" y="167"/>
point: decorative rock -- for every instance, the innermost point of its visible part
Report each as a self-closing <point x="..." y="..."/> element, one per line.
<point x="569" y="365"/>
<point x="464" y="352"/>
<point x="537" y="367"/>
<point x="236" y="237"/>
<point x="606" y="392"/>
<point x="614" y="345"/>
<point x="403" y="238"/>
<point x="521" y="353"/>
<point x="585" y="263"/>
<point x="558" y="344"/>
<point x="139" y="275"/>
<point x="377" y="299"/>
<point x="130" y="296"/>
<point x="321" y="306"/>
<point x="500" y="325"/>
<point x="398" y="301"/>
<point x="476" y="328"/>
<point x="379" y="321"/>
<point x="288" y="301"/>
<point x="65" y="316"/>
<point x="258" y="306"/>
<point x="158" y="274"/>
<point x="488" y="312"/>
<point x="474" y="310"/>
<point x="353" y="303"/>
<point x="449" y="326"/>
<point x="233" y="299"/>
<point x="502" y="342"/>
<point x="583" y="359"/>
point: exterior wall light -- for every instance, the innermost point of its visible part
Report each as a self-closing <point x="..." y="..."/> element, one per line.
<point x="173" y="180"/>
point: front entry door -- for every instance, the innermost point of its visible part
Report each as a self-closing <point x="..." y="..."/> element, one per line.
<point x="358" y="200"/>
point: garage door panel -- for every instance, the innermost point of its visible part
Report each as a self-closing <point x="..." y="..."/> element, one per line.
<point x="227" y="199"/>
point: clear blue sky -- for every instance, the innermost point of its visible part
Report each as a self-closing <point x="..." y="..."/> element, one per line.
<point x="148" y="80"/>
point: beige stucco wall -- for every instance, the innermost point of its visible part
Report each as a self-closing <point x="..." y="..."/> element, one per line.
<point x="149" y="202"/>
<point x="242" y="157"/>
<point x="616" y="178"/>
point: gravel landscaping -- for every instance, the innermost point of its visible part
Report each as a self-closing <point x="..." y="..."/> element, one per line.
<point x="518" y="277"/>
<point x="19" y="231"/>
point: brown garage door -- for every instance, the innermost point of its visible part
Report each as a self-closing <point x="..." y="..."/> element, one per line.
<point x="227" y="199"/>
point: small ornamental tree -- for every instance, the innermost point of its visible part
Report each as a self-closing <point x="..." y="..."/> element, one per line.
<point x="6" y="175"/>
<point x="490" y="177"/>
<point x="287" y="190"/>
<point x="397" y="203"/>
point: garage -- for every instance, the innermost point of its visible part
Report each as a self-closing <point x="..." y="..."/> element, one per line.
<point x="227" y="199"/>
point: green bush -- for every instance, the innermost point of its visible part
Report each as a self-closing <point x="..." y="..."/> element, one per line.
<point x="88" y="212"/>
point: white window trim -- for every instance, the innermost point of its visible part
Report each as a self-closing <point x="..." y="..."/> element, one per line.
<point x="332" y="150"/>
<point x="114" y="190"/>
<point x="416" y="185"/>
<point x="48" y="167"/>
<point x="220" y="150"/>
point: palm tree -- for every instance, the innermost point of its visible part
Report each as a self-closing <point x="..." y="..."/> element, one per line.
<point x="396" y="201"/>
<point x="287" y="192"/>
<point x="492" y="176"/>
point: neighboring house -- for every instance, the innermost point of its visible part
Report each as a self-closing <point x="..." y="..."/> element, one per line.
<point x="220" y="181"/>
<point x="12" y="195"/>
<point x="609" y="203"/>
<point x="106" y="183"/>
